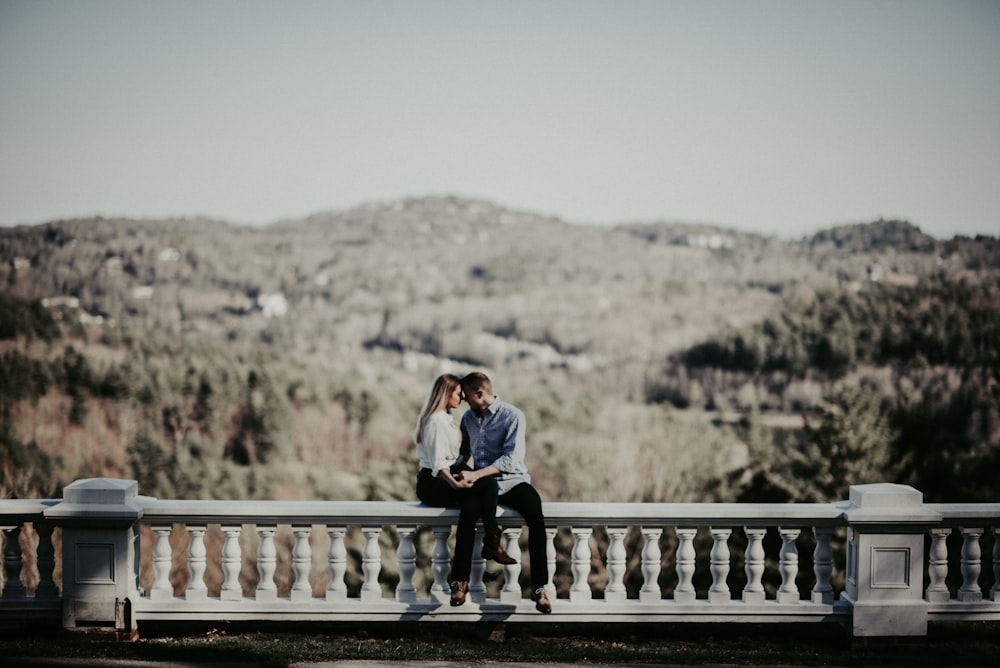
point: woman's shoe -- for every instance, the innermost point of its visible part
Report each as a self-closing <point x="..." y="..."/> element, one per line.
<point x="459" y="588"/>
<point x="541" y="600"/>
<point x="492" y="549"/>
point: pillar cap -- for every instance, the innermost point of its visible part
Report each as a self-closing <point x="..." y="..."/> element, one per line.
<point x="101" y="499"/>
<point x="888" y="505"/>
<point x="885" y="495"/>
<point x="101" y="491"/>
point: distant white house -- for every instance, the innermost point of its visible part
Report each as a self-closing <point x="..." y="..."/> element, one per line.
<point x="61" y="302"/>
<point x="65" y="307"/>
<point x="272" y="304"/>
<point x="169" y="255"/>
<point x="113" y="265"/>
<point x="142" y="292"/>
<point x="713" y="241"/>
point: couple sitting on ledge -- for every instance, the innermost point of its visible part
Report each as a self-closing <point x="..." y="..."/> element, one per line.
<point x="475" y="466"/>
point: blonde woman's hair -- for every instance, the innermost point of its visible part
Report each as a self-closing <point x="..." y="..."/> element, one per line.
<point x="436" y="401"/>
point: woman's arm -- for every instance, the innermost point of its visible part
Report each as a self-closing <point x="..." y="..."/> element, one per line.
<point x="440" y="440"/>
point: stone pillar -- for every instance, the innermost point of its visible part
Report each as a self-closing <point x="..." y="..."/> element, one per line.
<point x="98" y="518"/>
<point x="885" y="559"/>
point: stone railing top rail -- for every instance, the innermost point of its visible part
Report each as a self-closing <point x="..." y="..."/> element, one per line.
<point x="556" y="513"/>
<point x="952" y="513"/>
<point x="16" y="511"/>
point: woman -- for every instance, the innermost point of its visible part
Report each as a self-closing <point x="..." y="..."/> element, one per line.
<point x="440" y="483"/>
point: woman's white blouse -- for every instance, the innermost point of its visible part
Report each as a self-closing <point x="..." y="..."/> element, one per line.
<point x="439" y="443"/>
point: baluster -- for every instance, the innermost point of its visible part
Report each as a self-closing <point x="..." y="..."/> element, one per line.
<point x="615" y="591"/>
<point x="822" y="591"/>
<point x="371" y="565"/>
<point x="477" y="589"/>
<point x="753" y="592"/>
<point x="788" y="592"/>
<point x="301" y="564"/>
<point x="971" y="566"/>
<point x="267" y="564"/>
<point x="197" y="590"/>
<point x="995" y="591"/>
<point x="937" y="571"/>
<point x="440" y="558"/>
<point x="580" y="589"/>
<point x="406" y="559"/>
<point x="684" y="592"/>
<point x="719" y="591"/>
<point x="336" y="589"/>
<point x="162" y="589"/>
<point x="550" y="561"/>
<point x="46" y="555"/>
<point x="136" y="551"/>
<point x="232" y="561"/>
<point x="511" y="590"/>
<point x="650" y="590"/>
<point x="13" y="588"/>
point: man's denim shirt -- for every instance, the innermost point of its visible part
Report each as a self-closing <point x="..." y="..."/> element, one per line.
<point x="497" y="438"/>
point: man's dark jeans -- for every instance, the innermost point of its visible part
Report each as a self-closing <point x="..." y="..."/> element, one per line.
<point x="524" y="499"/>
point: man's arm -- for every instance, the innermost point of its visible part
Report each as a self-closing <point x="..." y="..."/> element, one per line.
<point x="514" y="447"/>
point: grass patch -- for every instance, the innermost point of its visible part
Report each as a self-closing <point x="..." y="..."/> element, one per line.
<point x="279" y="645"/>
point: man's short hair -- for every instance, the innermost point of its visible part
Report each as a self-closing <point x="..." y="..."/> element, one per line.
<point x="475" y="380"/>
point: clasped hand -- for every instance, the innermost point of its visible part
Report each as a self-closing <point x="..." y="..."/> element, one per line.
<point x="461" y="482"/>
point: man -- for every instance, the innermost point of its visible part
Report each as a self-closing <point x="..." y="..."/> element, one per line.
<point x="493" y="431"/>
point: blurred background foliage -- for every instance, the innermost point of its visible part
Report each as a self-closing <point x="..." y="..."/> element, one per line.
<point x="654" y="361"/>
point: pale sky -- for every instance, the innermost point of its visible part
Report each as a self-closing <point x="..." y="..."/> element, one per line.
<point x="770" y="116"/>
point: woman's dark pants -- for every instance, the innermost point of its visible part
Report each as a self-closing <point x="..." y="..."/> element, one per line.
<point x="480" y="501"/>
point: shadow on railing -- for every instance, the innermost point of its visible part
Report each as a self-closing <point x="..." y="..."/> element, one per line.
<point x="882" y="563"/>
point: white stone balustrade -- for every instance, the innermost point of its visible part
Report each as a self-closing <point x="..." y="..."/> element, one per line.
<point x="328" y="560"/>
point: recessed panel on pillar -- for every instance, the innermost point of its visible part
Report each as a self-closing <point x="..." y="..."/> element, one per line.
<point x="95" y="563"/>
<point x="890" y="568"/>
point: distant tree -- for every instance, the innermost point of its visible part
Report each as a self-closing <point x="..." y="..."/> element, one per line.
<point x="25" y="470"/>
<point x="949" y="438"/>
<point x="152" y="464"/>
<point x="849" y="443"/>
<point x="202" y="412"/>
<point x="21" y="377"/>
<point x="25" y="317"/>
<point x="854" y="439"/>
<point x="260" y="423"/>
<point x="836" y="331"/>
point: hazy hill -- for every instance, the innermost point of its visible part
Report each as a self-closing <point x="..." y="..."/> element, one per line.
<point x="292" y="359"/>
<point x="882" y="235"/>
<point x="424" y="268"/>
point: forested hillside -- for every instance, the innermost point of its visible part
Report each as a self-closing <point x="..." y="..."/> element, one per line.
<point x="655" y="361"/>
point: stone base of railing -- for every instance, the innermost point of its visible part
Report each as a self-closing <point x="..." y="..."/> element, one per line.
<point x="955" y="610"/>
<point x="563" y="611"/>
<point x="30" y="609"/>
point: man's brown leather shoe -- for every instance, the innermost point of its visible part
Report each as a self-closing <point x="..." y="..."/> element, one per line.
<point x="492" y="549"/>
<point x="541" y="601"/>
<point x="459" y="588"/>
